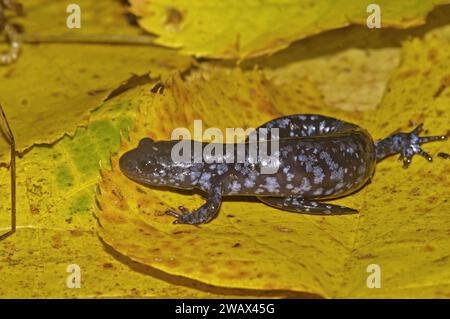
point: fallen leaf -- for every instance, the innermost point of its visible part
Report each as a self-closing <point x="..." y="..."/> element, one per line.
<point x="56" y="226"/>
<point x="252" y="246"/>
<point x="250" y="249"/>
<point x="52" y="88"/>
<point x="249" y="245"/>
<point x="406" y="226"/>
<point x="351" y="73"/>
<point x="243" y="29"/>
<point x="108" y="17"/>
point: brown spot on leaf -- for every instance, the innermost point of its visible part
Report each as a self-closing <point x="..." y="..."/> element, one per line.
<point x="146" y="228"/>
<point x="408" y="73"/>
<point x="442" y="260"/>
<point x="140" y="190"/>
<point x="34" y="209"/>
<point x="108" y="266"/>
<point x="432" y="54"/>
<point x="114" y="218"/>
<point x="172" y="262"/>
<point x="234" y="275"/>
<point x="96" y="92"/>
<point x="445" y="82"/>
<point x="367" y="256"/>
<point x="241" y="102"/>
<point x="444" y="155"/>
<point x="173" y="16"/>
<point x="56" y="241"/>
<point x="122" y="204"/>
<point x="178" y="232"/>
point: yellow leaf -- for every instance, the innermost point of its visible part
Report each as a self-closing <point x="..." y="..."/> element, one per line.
<point x="405" y="228"/>
<point x="242" y="29"/>
<point x="350" y="66"/>
<point x="51" y="90"/>
<point x="56" y="226"/>
<point x="44" y="17"/>
<point x="250" y="245"/>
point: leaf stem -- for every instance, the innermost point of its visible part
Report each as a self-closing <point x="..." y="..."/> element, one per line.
<point x="94" y="38"/>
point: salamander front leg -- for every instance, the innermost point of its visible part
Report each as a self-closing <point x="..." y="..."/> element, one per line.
<point x="407" y="144"/>
<point x="300" y="205"/>
<point x="201" y="215"/>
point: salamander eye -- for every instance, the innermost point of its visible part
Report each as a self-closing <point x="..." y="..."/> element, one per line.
<point x="144" y="164"/>
<point x="145" y="142"/>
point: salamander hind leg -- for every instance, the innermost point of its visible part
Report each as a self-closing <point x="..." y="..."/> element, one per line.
<point x="300" y="205"/>
<point x="407" y="144"/>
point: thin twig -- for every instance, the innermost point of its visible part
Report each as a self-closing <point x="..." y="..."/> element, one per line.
<point x="94" y="39"/>
<point x="12" y="168"/>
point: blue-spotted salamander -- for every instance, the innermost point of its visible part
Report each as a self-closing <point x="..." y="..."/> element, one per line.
<point x="320" y="158"/>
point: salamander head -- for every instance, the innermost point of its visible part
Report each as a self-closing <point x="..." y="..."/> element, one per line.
<point x="151" y="164"/>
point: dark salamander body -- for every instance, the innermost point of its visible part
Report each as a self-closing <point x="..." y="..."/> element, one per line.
<point x="318" y="158"/>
